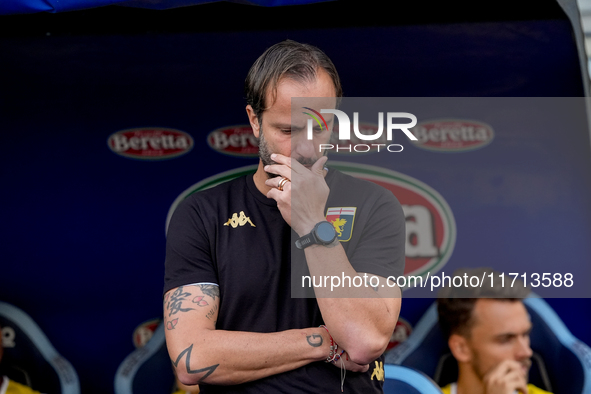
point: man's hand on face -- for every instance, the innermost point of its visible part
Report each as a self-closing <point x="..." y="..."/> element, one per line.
<point x="302" y="200"/>
<point x="506" y="378"/>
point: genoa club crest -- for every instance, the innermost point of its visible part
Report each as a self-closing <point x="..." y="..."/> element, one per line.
<point x="342" y="219"/>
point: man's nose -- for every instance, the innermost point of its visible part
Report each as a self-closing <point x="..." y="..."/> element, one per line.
<point x="523" y="350"/>
<point x="301" y="146"/>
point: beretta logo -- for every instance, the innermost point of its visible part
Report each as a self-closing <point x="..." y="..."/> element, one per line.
<point x="150" y="143"/>
<point x="234" y="140"/>
<point x="452" y="135"/>
<point x="430" y="224"/>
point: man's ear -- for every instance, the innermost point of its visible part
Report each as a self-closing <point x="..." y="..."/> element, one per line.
<point x="254" y="121"/>
<point x="459" y="348"/>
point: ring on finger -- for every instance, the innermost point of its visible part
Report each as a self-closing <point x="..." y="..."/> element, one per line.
<point x="282" y="183"/>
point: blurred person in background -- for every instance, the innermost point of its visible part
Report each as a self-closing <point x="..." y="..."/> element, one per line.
<point x="487" y="329"/>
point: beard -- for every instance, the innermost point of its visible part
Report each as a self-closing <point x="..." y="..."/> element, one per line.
<point x="265" y="155"/>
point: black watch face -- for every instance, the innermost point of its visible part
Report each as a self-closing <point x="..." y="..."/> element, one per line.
<point x="325" y="232"/>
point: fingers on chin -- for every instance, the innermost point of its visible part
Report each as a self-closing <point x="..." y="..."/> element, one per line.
<point x="279" y="158"/>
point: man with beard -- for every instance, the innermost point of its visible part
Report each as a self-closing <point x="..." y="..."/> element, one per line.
<point x="487" y="329"/>
<point x="231" y="318"/>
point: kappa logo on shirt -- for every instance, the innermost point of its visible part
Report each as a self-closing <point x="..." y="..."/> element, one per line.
<point x="241" y="220"/>
<point x="378" y="371"/>
<point x="342" y="218"/>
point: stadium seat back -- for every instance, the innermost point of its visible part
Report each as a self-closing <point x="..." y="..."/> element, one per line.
<point x="405" y="380"/>
<point x="29" y="358"/>
<point x="146" y="370"/>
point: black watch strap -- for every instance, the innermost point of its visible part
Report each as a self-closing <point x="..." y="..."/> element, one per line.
<point x="323" y="233"/>
<point x="305" y="241"/>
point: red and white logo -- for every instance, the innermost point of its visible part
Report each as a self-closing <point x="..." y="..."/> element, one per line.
<point x="150" y="143"/>
<point x="343" y="219"/>
<point x="400" y="334"/>
<point x="144" y="332"/>
<point x="430" y="224"/>
<point x="234" y="140"/>
<point x="452" y="135"/>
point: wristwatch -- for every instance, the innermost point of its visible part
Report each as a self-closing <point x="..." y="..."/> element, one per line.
<point x="322" y="234"/>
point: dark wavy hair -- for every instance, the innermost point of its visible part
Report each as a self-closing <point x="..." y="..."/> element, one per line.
<point x="288" y="59"/>
<point x="456" y="304"/>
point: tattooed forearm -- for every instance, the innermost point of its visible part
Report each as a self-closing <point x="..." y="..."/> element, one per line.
<point x="187" y="351"/>
<point x="175" y="301"/>
<point x="314" y="340"/>
<point x="211" y="290"/>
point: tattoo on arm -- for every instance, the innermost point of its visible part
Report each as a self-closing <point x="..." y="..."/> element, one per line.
<point x="199" y="300"/>
<point x="171" y="324"/>
<point x="175" y="301"/>
<point x="212" y="312"/>
<point x="187" y="351"/>
<point x="314" y="340"/>
<point x="211" y="290"/>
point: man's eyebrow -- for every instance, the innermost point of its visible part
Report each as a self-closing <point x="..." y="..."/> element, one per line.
<point x="514" y="334"/>
<point x="506" y="335"/>
<point x="286" y="126"/>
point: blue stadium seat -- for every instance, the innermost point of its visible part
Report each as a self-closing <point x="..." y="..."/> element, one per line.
<point x="405" y="380"/>
<point x="561" y="363"/>
<point x="29" y="358"/>
<point x="146" y="370"/>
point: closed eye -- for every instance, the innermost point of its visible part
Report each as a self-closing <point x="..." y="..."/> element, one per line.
<point x="505" y="338"/>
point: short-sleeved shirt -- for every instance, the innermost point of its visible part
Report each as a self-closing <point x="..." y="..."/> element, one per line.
<point x="234" y="236"/>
